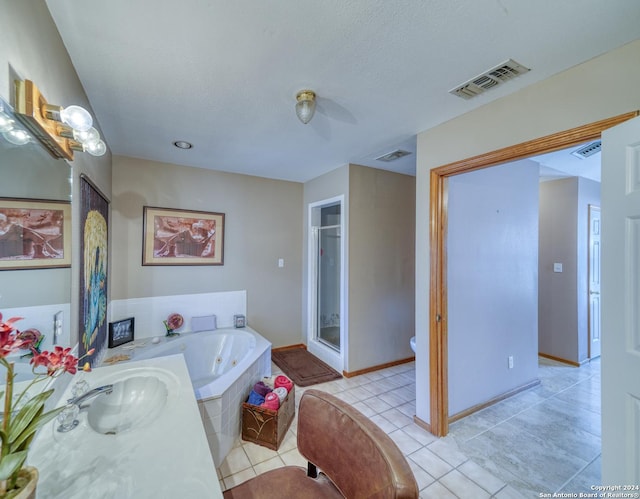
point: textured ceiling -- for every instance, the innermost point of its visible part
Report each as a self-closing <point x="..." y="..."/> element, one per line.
<point x="223" y="74"/>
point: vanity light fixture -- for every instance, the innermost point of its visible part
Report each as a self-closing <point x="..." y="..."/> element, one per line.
<point x="61" y="130"/>
<point x="305" y="105"/>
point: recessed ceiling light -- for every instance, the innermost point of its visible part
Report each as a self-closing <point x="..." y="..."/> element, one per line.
<point x="183" y="144"/>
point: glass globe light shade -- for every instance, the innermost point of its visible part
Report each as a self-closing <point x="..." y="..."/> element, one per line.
<point x="6" y="123"/>
<point x="87" y="137"/>
<point x="96" y="148"/>
<point x="77" y="118"/>
<point x="17" y="136"/>
<point x="305" y="105"/>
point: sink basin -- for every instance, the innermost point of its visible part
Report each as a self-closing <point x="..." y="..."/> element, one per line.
<point x="134" y="403"/>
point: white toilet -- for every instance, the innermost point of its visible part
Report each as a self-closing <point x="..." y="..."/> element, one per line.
<point x="412" y="342"/>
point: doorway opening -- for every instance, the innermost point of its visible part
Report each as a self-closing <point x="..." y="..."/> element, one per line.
<point x="438" y="335"/>
<point x="326" y="335"/>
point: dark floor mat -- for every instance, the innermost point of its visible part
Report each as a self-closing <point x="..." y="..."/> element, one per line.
<point x="303" y="368"/>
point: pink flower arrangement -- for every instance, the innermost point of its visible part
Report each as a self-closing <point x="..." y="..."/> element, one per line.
<point x="59" y="359"/>
<point x="20" y="423"/>
<point x="9" y="342"/>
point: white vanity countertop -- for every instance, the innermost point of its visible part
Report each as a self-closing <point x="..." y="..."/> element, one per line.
<point x="167" y="458"/>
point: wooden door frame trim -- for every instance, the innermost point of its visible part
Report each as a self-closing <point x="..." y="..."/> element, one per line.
<point x="438" y="334"/>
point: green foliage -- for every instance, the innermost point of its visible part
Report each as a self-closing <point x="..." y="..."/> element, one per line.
<point x="11" y="464"/>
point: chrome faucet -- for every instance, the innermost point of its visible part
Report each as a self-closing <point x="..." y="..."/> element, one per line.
<point x="106" y="389"/>
<point x="67" y="417"/>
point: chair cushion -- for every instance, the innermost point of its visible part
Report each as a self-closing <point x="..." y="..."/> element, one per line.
<point x="287" y="482"/>
<point x="361" y="459"/>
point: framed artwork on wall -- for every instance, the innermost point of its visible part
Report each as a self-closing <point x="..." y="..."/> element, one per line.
<point x="182" y="237"/>
<point x="34" y="234"/>
<point x="94" y="230"/>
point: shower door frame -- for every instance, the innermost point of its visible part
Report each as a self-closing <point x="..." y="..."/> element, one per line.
<point x="329" y="355"/>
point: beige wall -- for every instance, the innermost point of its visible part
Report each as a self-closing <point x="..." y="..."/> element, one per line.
<point x="31" y="48"/>
<point x="603" y="87"/>
<point x="558" y="292"/>
<point x="563" y="298"/>
<point x="381" y="266"/>
<point x="262" y="224"/>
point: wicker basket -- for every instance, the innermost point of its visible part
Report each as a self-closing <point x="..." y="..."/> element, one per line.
<point x="267" y="427"/>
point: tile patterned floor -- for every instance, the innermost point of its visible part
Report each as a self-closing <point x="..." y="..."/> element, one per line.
<point x="544" y="440"/>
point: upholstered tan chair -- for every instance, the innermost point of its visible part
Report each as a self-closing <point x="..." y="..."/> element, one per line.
<point x="349" y="457"/>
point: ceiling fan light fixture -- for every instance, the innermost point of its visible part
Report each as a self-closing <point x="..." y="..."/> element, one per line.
<point x="305" y="105"/>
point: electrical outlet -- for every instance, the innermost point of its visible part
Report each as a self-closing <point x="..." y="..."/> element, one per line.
<point x="510" y="361"/>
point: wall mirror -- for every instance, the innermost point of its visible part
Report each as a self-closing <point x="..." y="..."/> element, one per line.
<point x="28" y="172"/>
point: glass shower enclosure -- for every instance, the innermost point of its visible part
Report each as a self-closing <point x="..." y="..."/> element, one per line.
<point x="328" y="268"/>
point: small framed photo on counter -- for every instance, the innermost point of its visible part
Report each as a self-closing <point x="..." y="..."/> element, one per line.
<point x="121" y="332"/>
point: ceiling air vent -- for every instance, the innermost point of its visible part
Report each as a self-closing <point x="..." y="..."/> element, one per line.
<point x="588" y="150"/>
<point x="489" y="79"/>
<point x="392" y="156"/>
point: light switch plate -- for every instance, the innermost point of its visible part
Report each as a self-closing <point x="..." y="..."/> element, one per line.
<point x="557" y="267"/>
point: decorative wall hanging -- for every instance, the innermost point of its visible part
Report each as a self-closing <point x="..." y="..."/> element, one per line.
<point x="182" y="237"/>
<point x="34" y="234"/>
<point x="94" y="216"/>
